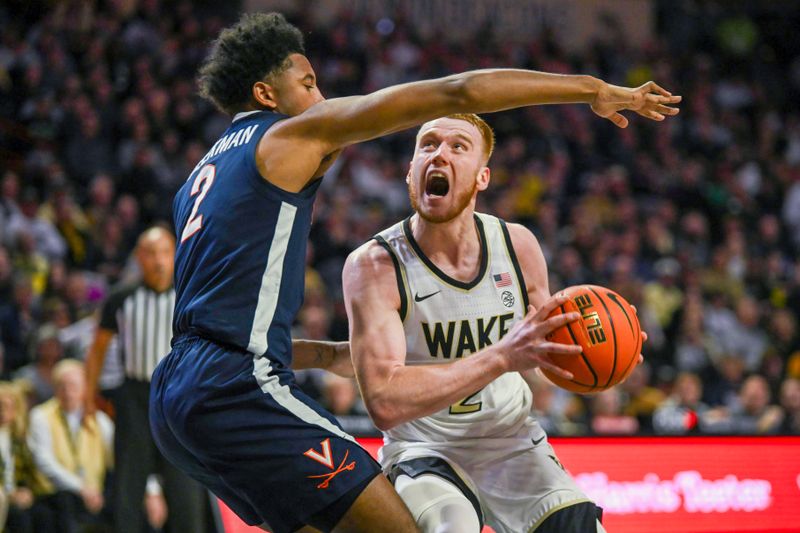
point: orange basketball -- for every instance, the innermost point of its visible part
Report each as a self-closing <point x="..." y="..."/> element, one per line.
<point x="609" y="333"/>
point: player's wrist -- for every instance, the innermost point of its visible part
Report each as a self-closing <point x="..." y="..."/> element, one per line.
<point x="499" y="361"/>
<point x="594" y="88"/>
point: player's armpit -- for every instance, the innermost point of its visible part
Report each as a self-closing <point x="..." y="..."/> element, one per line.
<point x="532" y="264"/>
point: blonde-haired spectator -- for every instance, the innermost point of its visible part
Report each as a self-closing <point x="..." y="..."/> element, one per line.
<point x="20" y="481"/>
<point x="72" y="451"/>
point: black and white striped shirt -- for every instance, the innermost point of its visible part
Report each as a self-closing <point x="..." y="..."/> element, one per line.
<point x="142" y="318"/>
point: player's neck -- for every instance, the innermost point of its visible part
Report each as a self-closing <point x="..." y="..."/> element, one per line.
<point x="453" y="246"/>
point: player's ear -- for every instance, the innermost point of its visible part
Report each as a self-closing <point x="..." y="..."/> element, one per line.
<point x="264" y="95"/>
<point x="408" y="174"/>
<point x="484" y="177"/>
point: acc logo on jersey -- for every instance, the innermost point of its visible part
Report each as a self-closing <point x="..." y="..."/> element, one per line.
<point x="508" y="298"/>
<point x="326" y="458"/>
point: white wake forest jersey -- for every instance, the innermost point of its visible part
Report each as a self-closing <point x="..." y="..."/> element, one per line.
<point x="446" y="320"/>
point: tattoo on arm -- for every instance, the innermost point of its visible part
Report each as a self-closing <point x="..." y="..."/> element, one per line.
<point x="322" y="356"/>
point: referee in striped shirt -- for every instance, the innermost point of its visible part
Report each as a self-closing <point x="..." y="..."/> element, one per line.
<point x="141" y="314"/>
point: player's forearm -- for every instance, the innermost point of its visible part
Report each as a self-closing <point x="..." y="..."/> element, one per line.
<point x="399" y="107"/>
<point x="493" y="90"/>
<point x="332" y="356"/>
<point x="410" y="392"/>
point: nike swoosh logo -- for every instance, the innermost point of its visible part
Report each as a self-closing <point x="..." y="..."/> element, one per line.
<point x="536" y="442"/>
<point x="418" y="298"/>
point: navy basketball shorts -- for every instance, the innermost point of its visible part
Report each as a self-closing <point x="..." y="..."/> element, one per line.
<point x="247" y="432"/>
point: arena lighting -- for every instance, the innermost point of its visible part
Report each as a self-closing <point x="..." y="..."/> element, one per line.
<point x="676" y="484"/>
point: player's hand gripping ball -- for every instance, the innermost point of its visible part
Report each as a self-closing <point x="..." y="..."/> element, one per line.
<point x="609" y="333"/>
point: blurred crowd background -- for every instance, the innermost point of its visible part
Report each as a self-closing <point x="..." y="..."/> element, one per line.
<point x="695" y="221"/>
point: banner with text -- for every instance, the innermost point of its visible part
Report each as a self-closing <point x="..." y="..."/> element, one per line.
<point x="669" y="484"/>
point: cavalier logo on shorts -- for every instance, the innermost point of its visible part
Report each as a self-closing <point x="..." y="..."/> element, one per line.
<point x="326" y="458"/>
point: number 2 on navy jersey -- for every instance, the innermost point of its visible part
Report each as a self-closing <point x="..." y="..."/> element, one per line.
<point x="202" y="183"/>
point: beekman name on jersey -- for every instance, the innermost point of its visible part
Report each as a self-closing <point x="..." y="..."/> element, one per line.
<point x="473" y="335"/>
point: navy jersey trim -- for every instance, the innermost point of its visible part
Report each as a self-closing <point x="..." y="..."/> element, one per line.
<point x="261" y="184"/>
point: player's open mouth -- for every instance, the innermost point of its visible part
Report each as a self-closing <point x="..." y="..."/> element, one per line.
<point x="437" y="185"/>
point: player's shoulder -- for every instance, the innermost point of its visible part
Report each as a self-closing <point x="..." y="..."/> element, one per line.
<point x="369" y="256"/>
<point x="521" y="237"/>
<point x="369" y="264"/>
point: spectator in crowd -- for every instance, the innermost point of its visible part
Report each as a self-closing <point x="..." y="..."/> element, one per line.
<point x="6" y="275"/>
<point x="9" y="206"/>
<point x="607" y="417"/>
<point x="39" y="375"/>
<point x="44" y="236"/>
<point x="752" y="415"/>
<point x="681" y="412"/>
<point x="340" y="395"/>
<point x="641" y="400"/>
<point x="724" y="380"/>
<point x="30" y="262"/>
<point x="72" y="451"/>
<point x="790" y="402"/>
<point x="18" y="320"/>
<point x="20" y="481"/>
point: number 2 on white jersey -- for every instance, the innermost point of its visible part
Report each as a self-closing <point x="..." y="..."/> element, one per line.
<point x="202" y="183"/>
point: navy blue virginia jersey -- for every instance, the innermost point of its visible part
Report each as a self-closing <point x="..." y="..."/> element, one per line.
<point x="240" y="260"/>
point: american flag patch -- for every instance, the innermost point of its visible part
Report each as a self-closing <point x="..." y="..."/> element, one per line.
<point x="502" y="280"/>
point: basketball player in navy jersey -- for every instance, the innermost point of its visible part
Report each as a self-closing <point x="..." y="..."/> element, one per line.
<point x="224" y="404"/>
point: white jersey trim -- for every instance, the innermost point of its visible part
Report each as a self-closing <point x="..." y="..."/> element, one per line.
<point x="283" y="395"/>
<point x="271" y="280"/>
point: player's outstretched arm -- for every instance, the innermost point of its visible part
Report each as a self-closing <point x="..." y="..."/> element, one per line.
<point x="342" y="121"/>
<point x="395" y="393"/>
<point x="294" y="148"/>
<point x="331" y="356"/>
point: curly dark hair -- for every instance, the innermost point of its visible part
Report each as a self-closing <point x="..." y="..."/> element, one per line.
<point x="255" y="47"/>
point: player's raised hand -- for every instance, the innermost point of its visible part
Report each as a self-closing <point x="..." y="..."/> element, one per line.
<point x="526" y="346"/>
<point x="648" y="100"/>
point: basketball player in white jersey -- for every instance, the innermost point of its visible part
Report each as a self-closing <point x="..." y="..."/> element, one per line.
<point x="438" y="305"/>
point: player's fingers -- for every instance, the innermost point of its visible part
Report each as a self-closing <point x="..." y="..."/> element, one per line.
<point x="641" y="359"/>
<point x="644" y="336"/>
<point x="559" y="348"/>
<point x="560" y="372"/>
<point x="653" y="86"/>
<point x="618" y="120"/>
<point x="666" y="110"/>
<point x="551" y="304"/>
<point x="555" y="322"/>
<point x="652" y="115"/>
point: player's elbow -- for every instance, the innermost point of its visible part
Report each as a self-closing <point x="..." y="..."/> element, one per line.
<point x="460" y="93"/>
<point x="384" y="415"/>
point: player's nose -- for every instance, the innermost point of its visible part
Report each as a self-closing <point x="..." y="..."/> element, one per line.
<point x="439" y="157"/>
